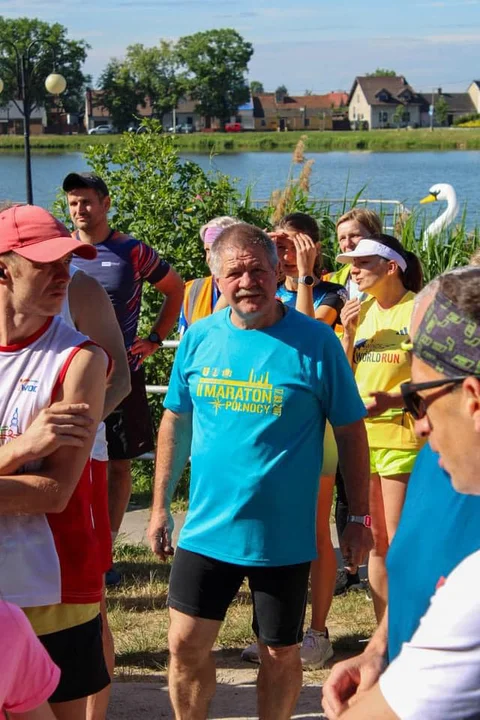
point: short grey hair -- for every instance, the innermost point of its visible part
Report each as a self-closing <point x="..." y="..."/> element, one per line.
<point x="245" y="236"/>
<point x="223" y="221"/>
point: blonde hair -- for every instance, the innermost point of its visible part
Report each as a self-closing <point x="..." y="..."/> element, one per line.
<point x="368" y="218"/>
<point x="222" y="221"/>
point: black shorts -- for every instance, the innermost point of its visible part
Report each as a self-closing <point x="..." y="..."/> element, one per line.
<point x="129" y="427"/>
<point x="203" y="587"/>
<point x="78" y="652"/>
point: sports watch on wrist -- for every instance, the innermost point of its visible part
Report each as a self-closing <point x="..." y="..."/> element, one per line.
<point x="365" y="520"/>
<point x="306" y="280"/>
<point x="154" y="337"/>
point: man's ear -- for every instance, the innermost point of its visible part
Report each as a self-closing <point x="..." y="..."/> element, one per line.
<point x="107" y="203"/>
<point x="471" y="391"/>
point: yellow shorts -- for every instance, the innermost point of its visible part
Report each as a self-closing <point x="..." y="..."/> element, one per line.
<point x="389" y="462"/>
<point x="330" y="453"/>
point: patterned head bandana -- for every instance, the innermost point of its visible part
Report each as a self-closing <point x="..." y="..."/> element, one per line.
<point x="447" y="340"/>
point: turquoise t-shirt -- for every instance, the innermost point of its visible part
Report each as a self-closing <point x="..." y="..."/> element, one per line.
<point x="259" y="400"/>
<point x="438" y="528"/>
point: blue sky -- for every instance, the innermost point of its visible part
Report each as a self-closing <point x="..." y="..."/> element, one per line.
<point x="303" y="44"/>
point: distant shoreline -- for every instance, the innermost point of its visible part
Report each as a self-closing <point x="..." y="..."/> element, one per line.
<point x="318" y="141"/>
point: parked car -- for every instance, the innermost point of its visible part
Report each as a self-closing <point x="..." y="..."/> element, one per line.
<point x="101" y="130"/>
<point x="233" y="127"/>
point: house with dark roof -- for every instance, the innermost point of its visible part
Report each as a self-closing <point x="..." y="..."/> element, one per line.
<point x="97" y="114"/>
<point x="457" y="104"/>
<point x="278" y="111"/>
<point x="373" y="102"/>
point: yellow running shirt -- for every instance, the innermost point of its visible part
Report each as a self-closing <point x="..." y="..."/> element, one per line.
<point x="380" y="364"/>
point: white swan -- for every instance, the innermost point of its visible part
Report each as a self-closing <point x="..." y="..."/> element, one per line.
<point x="441" y="191"/>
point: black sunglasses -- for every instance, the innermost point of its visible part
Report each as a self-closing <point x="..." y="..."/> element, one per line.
<point x="417" y="405"/>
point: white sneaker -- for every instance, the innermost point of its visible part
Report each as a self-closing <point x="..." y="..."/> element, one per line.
<point x="316" y="649"/>
<point x="251" y="654"/>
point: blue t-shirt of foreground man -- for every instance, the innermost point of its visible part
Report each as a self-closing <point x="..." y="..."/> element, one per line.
<point x="438" y="529"/>
<point x="259" y="410"/>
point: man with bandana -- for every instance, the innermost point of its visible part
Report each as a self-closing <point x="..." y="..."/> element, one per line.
<point x="435" y="673"/>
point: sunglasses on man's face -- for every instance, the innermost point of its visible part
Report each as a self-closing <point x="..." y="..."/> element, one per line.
<point x="415" y="404"/>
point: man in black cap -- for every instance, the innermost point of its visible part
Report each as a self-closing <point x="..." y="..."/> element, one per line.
<point x="122" y="265"/>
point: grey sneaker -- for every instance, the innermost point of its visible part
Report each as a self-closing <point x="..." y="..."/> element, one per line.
<point x="316" y="649"/>
<point x="251" y="654"/>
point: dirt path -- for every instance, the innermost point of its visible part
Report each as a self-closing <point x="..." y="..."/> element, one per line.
<point x="235" y="698"/>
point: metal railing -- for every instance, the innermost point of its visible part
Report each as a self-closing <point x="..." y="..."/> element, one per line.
<point x="158" y="390"/>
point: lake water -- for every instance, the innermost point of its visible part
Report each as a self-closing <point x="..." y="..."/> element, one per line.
<point x="401" y="176"/>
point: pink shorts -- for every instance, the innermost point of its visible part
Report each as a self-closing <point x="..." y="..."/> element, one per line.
<point x="101" y="517"/>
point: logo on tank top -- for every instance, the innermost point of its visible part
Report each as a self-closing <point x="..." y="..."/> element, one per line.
<point x="29" y="385"/>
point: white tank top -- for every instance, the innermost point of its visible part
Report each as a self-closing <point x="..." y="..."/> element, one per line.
<point x="29" y="564"/>
<point x="100" y="447"/>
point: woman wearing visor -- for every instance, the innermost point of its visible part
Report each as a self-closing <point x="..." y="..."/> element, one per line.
<point x="375" y="339"/>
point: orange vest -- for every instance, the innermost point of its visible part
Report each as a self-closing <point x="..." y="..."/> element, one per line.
<point x="197" y="301"/>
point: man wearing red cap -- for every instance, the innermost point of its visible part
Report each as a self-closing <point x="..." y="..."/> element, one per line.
<point x="51" y="401"/>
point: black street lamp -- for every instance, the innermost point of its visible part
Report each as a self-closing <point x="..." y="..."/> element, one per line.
<point x="26" y="70"/>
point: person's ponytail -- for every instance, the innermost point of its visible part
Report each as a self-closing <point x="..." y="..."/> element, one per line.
<point x="412" y="277"/>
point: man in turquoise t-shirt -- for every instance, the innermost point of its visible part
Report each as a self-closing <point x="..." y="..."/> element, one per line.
<point x="249" y="394"/>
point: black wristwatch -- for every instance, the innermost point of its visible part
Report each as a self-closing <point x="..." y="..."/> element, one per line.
<point x="154" y="337"/>
<point x="307" y="280"/>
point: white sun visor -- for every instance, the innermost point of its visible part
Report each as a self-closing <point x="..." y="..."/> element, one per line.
<point x="367" y="247"/>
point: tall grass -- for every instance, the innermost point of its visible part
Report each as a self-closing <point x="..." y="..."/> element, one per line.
<point x="453" y="247"/>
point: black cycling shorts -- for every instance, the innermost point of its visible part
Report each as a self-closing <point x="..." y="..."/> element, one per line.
<point x="129" y="427"/>
<point x="78" y="652"/>
<point x="203" y="587"/>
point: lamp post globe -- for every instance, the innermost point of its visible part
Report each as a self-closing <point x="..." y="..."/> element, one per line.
<point x="55" y="84"/>
<point x="1" y="85"/>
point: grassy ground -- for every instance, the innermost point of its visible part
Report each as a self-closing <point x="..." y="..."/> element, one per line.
<point x="378" y="140"/>
<point x="139" y="620"/>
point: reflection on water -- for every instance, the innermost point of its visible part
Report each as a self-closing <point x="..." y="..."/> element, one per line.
<point x="402" y="176"/>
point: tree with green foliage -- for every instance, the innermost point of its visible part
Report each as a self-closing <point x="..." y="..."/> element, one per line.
<point x="398" y="115"/>
<point x="381" y="72"/>
<point x="441" y="110"/>
<point x="215" y="63"/>
<point x="256" y="87"/>
<point x="42" y="42"/>
<point x="156" y="72"/>
<point x="281" y="90"/>
<point x="120" y="93"/>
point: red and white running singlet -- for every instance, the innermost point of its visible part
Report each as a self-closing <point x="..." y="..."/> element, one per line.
<point x="52" y="558"/>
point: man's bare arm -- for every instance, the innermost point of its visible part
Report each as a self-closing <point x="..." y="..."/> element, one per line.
<point x="354" y="461"/>
<point x="50" y="489"/>
<point x="173" y="288"/>
<point x="353" y="453"/>
<point x="55" y="426"/>
<point x="93" y="315"/>
<point x="173" y="450"/>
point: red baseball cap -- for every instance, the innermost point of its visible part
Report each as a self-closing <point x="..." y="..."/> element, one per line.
<point x="33" y="233"/>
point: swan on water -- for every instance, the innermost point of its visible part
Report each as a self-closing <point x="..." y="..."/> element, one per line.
<point x="441" y="191"/>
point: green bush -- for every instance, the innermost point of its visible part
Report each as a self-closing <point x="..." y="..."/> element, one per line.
<point x="466" y="118"/>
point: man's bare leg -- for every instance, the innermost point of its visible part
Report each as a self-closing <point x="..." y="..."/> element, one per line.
<point x="73" y="710"/>
<point x="191" y="672"/>
<point x="119" y="491"/>
<point x="98" y="704"/>
<point x="279" y="681"/>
